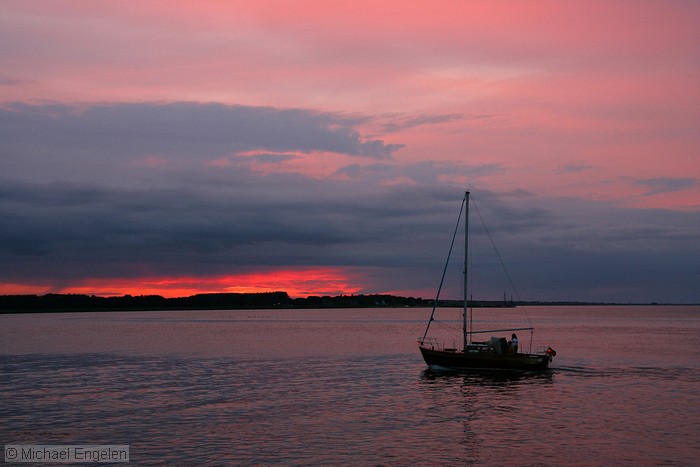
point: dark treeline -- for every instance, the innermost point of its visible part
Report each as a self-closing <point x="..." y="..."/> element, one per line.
<point x="223" y="301"/>
<point x="230" y="301"/>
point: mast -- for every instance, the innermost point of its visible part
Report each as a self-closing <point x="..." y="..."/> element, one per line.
<point x="466" y="261"/>
<point x="442" y="279"/>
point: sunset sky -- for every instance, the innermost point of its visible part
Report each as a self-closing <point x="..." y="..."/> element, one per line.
<point x="323" y="147"/>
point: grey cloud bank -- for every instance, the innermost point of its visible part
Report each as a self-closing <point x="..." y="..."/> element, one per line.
<point x="74" y="206"/>
<point x="183" y="129"/>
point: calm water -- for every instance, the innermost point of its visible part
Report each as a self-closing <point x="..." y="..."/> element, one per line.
<point x="349" y="387"/>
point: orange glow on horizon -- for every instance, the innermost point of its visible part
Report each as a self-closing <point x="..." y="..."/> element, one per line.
<point x="297" y="282"/>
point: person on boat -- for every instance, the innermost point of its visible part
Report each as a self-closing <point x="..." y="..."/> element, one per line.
<point x="514" y="343"/>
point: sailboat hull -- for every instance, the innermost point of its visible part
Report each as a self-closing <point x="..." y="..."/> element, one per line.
<point x="479" y="361"/>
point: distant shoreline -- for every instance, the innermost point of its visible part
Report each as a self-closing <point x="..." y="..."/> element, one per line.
<point x="56" y="303"/>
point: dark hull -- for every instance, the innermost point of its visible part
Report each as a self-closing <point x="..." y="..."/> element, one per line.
<point x="484" y="361"/>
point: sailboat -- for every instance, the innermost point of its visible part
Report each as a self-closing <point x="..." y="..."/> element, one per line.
<point x="497" y="353"/>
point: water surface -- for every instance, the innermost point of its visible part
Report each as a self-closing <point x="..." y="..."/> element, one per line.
<point x="349" y="387"/>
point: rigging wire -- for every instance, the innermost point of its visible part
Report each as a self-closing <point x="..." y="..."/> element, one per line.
<point x="450" y="329"/>
<point x="500" y="259"/>
<point x="444" y="271"/>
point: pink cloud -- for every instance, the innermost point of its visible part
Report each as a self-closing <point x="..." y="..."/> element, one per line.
<point x="235" y="50"/>
<point x="610" y="85"/>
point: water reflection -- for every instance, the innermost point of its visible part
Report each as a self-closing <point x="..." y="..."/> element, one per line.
<point x="493" y="411"/>
<point x="486" y="378"/>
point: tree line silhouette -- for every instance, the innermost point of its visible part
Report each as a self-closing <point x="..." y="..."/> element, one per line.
<point x="234" y="301"/>
<point x="263" y="300"/>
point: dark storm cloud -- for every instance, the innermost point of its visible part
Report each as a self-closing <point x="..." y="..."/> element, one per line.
<point x="182" y="128"/>
<point x="564" y="248"/>
<point x="554" y="249"/>
<point x="72" y="209"/>
<point x="64" y="230"/>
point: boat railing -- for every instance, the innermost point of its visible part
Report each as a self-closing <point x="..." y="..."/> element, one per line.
<point x="494" y="331"/>
<point x="434" y="344"/>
